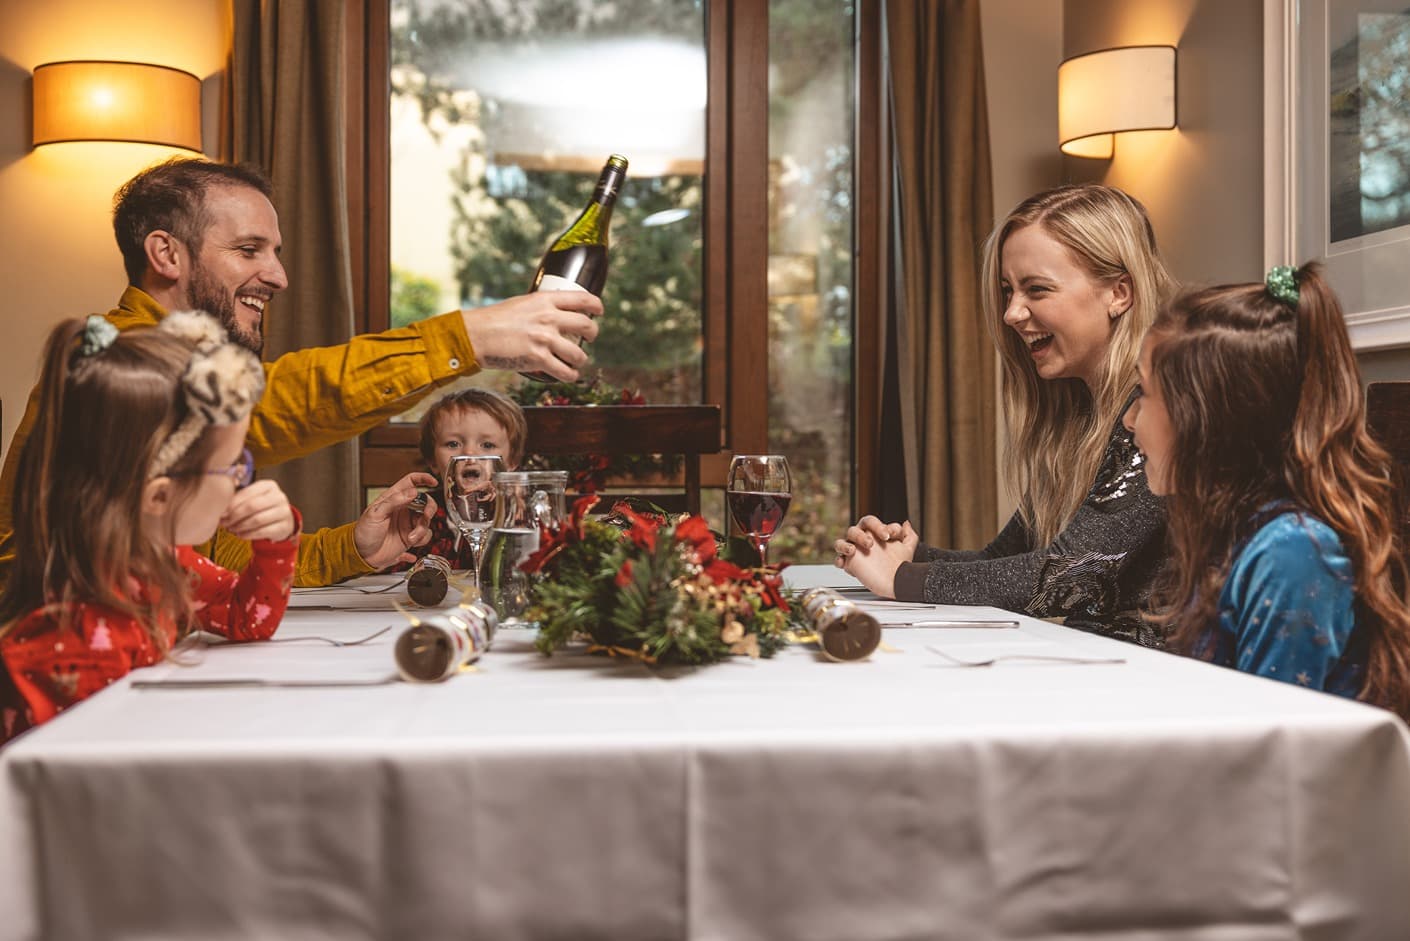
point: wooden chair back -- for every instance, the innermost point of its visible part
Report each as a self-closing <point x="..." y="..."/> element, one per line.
<point x="687" y="430"/>
<point x="1388" y="419"/>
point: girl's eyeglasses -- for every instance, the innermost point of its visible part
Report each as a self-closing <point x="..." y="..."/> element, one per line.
<point x="242" y="471"/>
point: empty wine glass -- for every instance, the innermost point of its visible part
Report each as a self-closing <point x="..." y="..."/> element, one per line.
<point x="758" y="492"/>
<point x="470" y="500"/>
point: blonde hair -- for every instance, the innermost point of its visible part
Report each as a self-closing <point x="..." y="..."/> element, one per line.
<point x="1056" y="431"/>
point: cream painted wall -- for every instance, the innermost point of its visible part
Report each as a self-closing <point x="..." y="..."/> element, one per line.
<point x="1022" y="50"/>
<point x="1385" y="365"/>
<point x="57" y="254"/>
<point x="1202" y="182"/>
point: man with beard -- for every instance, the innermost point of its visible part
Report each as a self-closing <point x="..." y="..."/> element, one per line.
<point x="197" y="234"/>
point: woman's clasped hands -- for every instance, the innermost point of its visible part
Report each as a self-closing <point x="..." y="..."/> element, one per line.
<point x="871" y="551"/>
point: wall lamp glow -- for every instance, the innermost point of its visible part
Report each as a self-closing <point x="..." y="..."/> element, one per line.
<point x="116" y="101"/>
<point x="1113" y="90"/>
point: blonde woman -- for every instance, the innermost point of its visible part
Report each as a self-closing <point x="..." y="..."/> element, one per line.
<point x="1072" y="280"/>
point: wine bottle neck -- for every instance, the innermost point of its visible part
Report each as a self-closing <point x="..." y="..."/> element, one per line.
<point x="591" y="225"/>
<point x="608" y="185"/>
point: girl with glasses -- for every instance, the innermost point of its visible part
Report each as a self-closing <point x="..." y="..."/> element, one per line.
<point x="137" y="455"/>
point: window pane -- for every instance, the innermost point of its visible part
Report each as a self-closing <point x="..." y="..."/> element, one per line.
<point x="502" y="115"/>
<point x="812" y="76"/>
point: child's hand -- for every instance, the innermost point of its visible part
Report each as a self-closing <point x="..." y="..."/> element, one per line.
<point x="871" y="553"/>
<point x="391" y="525"/>
<point x="260" y="511"/>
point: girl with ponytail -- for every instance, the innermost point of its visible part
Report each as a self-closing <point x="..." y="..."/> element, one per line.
<point x="1286" y="558"/>
<point x="138" y="454"/>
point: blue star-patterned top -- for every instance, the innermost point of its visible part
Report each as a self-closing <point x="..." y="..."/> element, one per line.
<point x="1287" y="610"/>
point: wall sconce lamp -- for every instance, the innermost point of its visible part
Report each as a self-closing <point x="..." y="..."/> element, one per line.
<point x="116" y="101"/>
<point x="1112" y="90"/>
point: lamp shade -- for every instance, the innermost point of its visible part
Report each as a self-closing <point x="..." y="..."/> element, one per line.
<point x="1112" y="90"/>
<point x="116" y="101"/>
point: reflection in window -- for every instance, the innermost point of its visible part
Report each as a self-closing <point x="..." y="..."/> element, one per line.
<point x="811" y="128"/>
<point x="502" y="114"/>
<point x="501" y="118"/>
<point x="1370" y="128"/>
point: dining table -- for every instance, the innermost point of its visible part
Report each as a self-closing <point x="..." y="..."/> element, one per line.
<point x="981" y="775"/>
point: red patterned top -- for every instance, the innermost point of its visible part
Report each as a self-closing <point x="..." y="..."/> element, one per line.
<point x="50" y="668"/>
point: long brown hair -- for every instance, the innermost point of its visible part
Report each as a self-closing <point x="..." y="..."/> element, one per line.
<point x="1266" y="404"/>
<point x="1057" y="431"/>
<point x="79" y="534"/>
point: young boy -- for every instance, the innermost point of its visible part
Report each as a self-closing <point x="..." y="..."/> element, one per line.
<point x="472" y="421"/>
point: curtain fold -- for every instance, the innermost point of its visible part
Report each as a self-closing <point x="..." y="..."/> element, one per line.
<point x="938" y="401"/>
<point x="283" y="109"/>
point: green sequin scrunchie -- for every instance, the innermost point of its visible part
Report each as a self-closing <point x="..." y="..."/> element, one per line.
<point x="1282" y="283"/>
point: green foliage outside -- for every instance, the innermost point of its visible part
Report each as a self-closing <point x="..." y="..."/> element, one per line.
<point x="414" y="297"/>
<point x="504" y="217"/>
<point x="653" y="293"/>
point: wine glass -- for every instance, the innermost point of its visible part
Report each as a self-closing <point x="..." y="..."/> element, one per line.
<point x="758" y="492"/>
<point x="470" y="501"/>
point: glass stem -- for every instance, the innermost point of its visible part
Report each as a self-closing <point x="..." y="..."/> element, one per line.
<point x="477" y="552"/>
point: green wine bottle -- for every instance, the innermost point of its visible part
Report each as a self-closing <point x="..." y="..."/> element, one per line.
<point x="577" y="259"/>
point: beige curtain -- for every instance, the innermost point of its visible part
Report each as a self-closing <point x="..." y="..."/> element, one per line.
<point x="283" y="110"/>
<point x="938" y="403"/>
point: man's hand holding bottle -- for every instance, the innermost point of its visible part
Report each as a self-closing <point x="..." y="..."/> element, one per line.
<point x="537" y="332"/>
<point x="540" y="334"/>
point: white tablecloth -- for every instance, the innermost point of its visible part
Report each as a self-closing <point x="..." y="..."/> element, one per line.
<point x="576" y="797"/>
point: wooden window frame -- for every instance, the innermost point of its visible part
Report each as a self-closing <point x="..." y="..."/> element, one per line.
<point x="735" y="303"/>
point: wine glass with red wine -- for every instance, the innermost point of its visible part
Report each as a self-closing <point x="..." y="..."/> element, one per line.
<point x="758" y="492"/>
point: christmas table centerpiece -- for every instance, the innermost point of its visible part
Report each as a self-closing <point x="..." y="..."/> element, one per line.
<point x="653" y="589"/>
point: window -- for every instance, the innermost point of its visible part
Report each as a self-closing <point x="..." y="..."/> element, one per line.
<point x="810" y="280"/>
<point x="501" y="116"/>
<point x="732" y="282"/>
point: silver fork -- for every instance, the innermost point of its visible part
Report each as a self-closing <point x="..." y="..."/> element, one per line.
<point x="257" y="683"/>
<point x="956" y="622"/>
<point x="366" y="591"/>
<point x="329" y="640"/>
<point x="195" y="645"/>
<point x="1022" y="658"/>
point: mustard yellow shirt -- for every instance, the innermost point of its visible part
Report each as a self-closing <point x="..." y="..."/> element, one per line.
<point x="312" y="398"/>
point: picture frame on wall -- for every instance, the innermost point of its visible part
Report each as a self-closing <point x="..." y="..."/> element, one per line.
<point x="1337" y="154"/>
